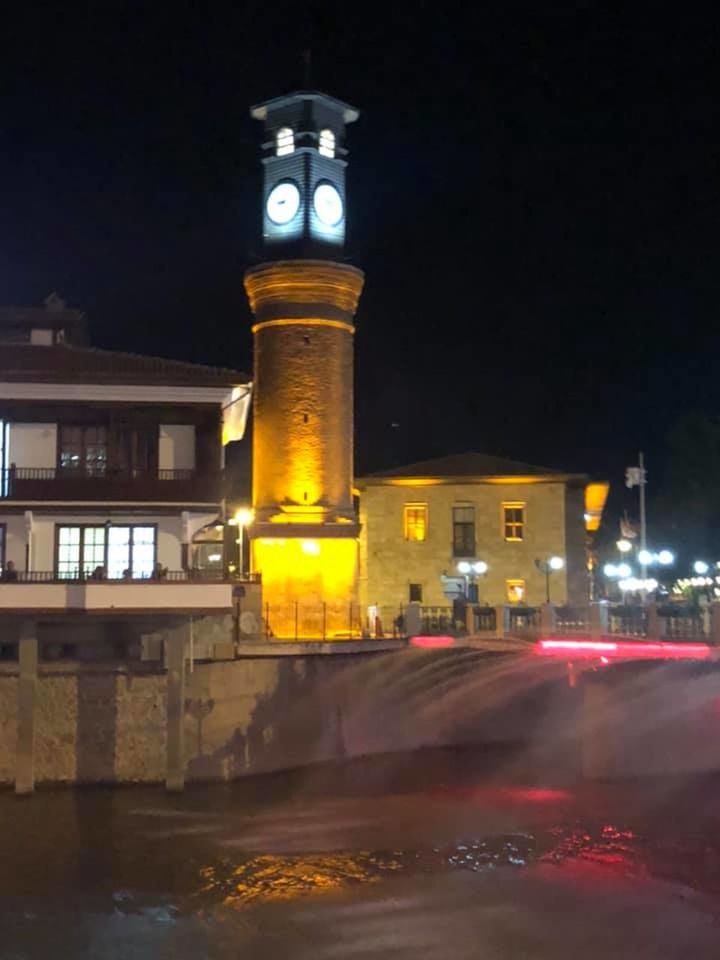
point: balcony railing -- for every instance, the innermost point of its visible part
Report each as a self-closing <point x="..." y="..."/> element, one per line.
<point x="38" y="483"/>
<point x="169" y="576"/>
<point x="180" y="591"/>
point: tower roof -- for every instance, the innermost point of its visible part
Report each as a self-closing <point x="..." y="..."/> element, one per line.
<point x="261" y="111"/>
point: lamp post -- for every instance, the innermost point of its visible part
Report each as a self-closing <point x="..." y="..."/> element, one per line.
<point x="470" y="570"/>
<point x="242" y="518"/>
<point x="547" y="566"/>
<point x="619" y="572"/>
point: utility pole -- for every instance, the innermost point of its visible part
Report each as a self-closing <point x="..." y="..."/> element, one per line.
<point x="643" y="518"/>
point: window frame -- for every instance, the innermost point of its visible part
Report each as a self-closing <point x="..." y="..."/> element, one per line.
<point x="84" y="445"/>
<point x="512" y="525"/>
<point x="94" y="526"/>
<point x="418" y="589"/>
<point x="516" y="582"/>
<point x="327" y="143"/>
<point x="284" y="141"/>
<point x="408" y="507"/>
<point x="456" y="552"/>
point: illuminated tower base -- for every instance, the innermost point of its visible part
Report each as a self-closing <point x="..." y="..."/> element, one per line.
<point x="305" y="534"/>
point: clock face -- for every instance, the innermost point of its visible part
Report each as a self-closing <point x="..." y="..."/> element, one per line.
<point x="283" y="202"/>
<point x="328" y="204"/>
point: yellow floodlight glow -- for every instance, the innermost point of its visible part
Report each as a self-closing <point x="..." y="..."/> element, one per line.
<point x="595" y="497"/>
<point x="308" y="592"/>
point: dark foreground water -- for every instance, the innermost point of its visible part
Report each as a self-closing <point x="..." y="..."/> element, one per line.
<point x="438" y="854"/>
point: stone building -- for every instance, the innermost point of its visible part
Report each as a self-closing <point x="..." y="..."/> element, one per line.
<point x="418" y="522"/>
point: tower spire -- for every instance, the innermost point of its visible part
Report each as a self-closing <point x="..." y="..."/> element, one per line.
<point x="307" y="67"/>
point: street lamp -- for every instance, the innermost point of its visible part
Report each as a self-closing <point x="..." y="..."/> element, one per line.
<point x="470" y="570"/>
<point x="624" y="546"/>
<point x="664" y="557"/>
<point x="701" y="567"/>
<point x="548" y="566"/>
<point x="241" y="519"/>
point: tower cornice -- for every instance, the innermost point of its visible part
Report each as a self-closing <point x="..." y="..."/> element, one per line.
<point x="313" y="290"/>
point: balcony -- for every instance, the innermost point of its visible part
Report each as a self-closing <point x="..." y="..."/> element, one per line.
<point x="180" y="591"/>
<point x="176" y="486"/>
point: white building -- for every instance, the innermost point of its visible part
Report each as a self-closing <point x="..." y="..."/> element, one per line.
<point x="111" y="472"/>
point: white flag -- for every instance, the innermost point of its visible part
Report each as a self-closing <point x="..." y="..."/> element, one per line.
<point x="627" y="531"/>
<point x="634" y="476"/>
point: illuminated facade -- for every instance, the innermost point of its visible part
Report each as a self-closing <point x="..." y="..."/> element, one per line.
<point x="305" y="533"/>
<point x="420" y="521"/>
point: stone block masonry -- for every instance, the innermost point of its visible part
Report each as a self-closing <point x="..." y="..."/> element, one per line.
<point x="99" y="723"/>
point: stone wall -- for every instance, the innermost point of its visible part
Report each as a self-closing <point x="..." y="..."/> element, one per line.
<point x="389" y="563"/>
<point x="251" y="715"/>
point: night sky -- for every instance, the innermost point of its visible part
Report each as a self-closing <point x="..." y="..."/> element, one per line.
<point x="532" y="194"/>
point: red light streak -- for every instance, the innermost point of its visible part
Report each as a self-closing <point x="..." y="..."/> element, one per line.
<point x="624" y="650"/>
<point x="432" y="643"/>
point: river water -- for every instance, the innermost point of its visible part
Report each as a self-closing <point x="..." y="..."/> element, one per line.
<point x="444" y="853"/>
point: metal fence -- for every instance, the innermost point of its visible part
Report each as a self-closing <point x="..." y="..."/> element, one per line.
<point x="321" y="621"/>
<point x="523" y="620"/>
<point x="572" y="620"/>
<point x="630" y="621"/>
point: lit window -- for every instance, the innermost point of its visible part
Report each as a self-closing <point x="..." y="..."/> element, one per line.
<point x="115" y="550"/>
<point x="80" y="551"/>
<point x="130" y="549"/>
<point x="415" y="521"/>
<point x="514" y="522"/>
<point x="284" y="142"/>
<point x="83" y="450"/>
<point x="515" y="591"/>
<point x="327" y="144"/>
<point x="463" y="531"/>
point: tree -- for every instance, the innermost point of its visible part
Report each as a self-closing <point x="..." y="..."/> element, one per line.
<point x="685" y="514"/>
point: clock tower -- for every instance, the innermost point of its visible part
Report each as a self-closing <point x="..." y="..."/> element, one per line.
<point x="305" y="532"/>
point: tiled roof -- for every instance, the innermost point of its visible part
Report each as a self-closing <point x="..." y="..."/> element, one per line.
<point x="62" y="363"/>
<point x="467" y="465"/>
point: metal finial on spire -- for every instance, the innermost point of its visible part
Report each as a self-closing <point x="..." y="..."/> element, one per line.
<point x="307" y="64"/>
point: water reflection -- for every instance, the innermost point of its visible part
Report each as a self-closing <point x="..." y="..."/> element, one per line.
<point x="228" y="862"/>
<point x="271" y="878"/>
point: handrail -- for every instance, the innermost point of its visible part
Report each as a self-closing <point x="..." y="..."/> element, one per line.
<point x="170" y="576"/>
